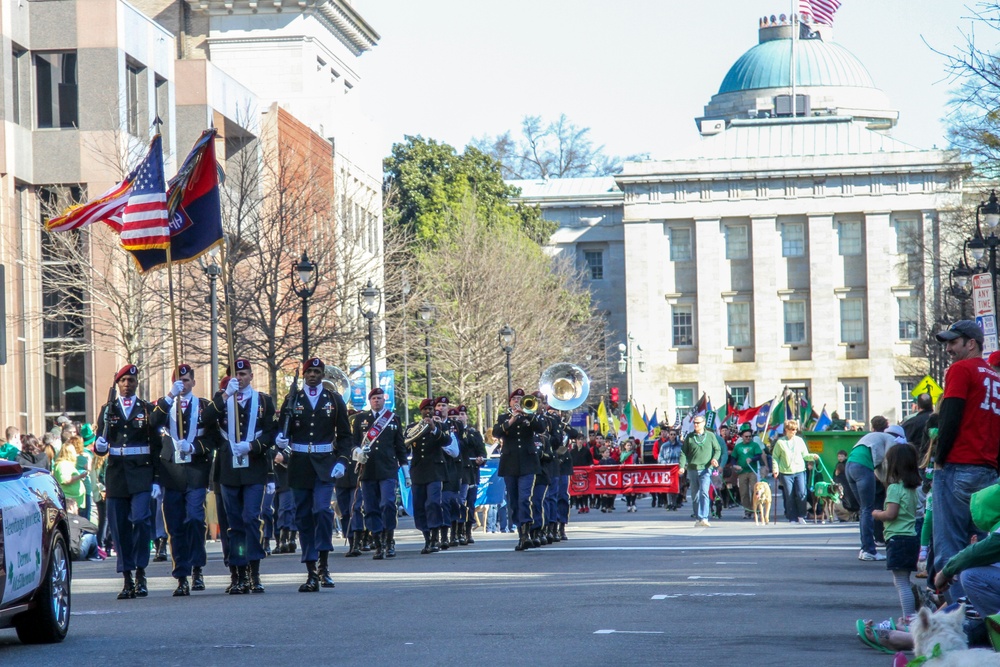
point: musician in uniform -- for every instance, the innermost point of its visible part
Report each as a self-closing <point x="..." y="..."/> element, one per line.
<point x="185" y="463"/>
<point x="380" y="452"/>
<point x="473" y="456"/>
<point x="541" y="511"/>
<point x="318" y="443"/>
<point x="451" y="474"/>
<point x="557" y="498"/>
<point x="246" y="421"/>
<point x="519" y="462"/>
<point x="133" y="449"/>
<point x="349" y="499"/>
<point x="426" y="464"/>
<point x="284" y="500"/>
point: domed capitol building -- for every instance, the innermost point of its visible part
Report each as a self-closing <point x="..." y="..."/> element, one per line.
<point x="778" y="250"/>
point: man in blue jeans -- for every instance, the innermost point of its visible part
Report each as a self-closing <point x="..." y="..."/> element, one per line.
<point x="968" y="441"/>
<point x="699" y="457"/>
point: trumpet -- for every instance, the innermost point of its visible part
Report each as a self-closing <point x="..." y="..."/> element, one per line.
<point x="530" y="405"/>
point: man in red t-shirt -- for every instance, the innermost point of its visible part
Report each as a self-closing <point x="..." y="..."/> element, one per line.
<point x="968" y="445"/>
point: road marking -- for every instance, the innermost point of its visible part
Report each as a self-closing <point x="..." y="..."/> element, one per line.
<point x="96" y="612"/>
<point x="735" y="562"/>
<point x="735" y="547"/>
<point x="629" y="632"/>
<point x="698" y="576"/>
<point x="703" y="595"/>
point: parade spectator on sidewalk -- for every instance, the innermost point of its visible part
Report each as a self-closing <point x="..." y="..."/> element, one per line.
<point x="699" y="457"/>
<point x="790" y="455"/>
<point x="630" y="457"/>
<point x="867" y="455"/>
<point x="670" y="453"/>
<point x="747" y="462"/>
<point x="581" y="457"/>
<point x="11" y="446"/>
<point x="968" y="441"/>
<point x="70" y="479"/>
<point x="32" y="454"/>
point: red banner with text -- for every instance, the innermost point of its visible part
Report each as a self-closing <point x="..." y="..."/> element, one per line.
<point x="624" y="479"/>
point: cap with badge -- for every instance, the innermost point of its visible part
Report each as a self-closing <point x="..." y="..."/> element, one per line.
<point x="183" y="371"/>
<point x="453" y="412"/>
<point x="243" y="364"/>
<point x="130" y="369"/>
<point x="315" y="362"/>
<point x="377" y="391"/>
<point x="462" y="410"/>
<point x="517" y="393"/>
<point x="426" y="403"/>
<point x="966" y="328"/>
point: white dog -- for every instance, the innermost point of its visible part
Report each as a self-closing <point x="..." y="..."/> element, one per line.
<point x="940" y="639"/>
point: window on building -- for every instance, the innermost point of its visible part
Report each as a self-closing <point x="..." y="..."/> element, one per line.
<point x="909" y="317"/>
<point x="854" y="401"/>
<point x="741" y="394"/>
<point x="795" y="322"/>
<point x="793" y="239"/>
<point x="56" y="89"/>
<point x="907" y="242"/>
<point x="850" y="239"/>
<point x="737" y="242"/>
<point x="906" y="399"/>
<point x="18" y="56"/>
<point x="680" y="244"/>
<point x="852" y="320"/>
<point x="683" y="326"/>
<point x="595" y="263"/>
<point x="132" y="98"/>
<point x="683" y="401"/>
<point x="738" y="316"/>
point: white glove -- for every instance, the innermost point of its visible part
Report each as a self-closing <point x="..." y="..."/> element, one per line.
<point x="269" y="488"/>
<point x="451" y="449"/>
<point x="101" y="445"/>
<point x="359" y="455"/>
<point x="281" y="441"/>
<point x="183" y="446"/>
<point x="177" y="389"/>
<point x="408" y="482"/>
<point x="241" y="448"/>
<point x="156" y="492"/>
<point x="338" y="471"/>
<point x="232" y="387"/>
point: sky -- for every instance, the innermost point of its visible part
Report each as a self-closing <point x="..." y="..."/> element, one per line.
<point x="636" y="72"/>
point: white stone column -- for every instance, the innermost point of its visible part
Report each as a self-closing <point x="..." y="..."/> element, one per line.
<point x="883" y="391"/>
<point x="710" y="310"/>
<point x="768" y="314"/>
<point x="824" y="315"/>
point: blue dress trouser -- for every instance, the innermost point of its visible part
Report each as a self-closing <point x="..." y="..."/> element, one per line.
<point x="471" y="494"/>
<point x="314" y="517"/>
<point x="562" y="498"/>
<point x="285" y="517"/>
<point x="129" y="520"/>
<point x="243" y="513"/>
<point x="538" y="509"/>
<point x="427" y="506"/>
<point x="184" y="515"/>
<point x="450" y="507"/>
<point x="379" y="504"/>
<point x="519" y="492"/>
<point x="349" y="502"/>
<point x="267" y="514"/>
<point x="551" y="502"/>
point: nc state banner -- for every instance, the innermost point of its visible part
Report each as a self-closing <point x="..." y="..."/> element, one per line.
<point x="624" y="479"/>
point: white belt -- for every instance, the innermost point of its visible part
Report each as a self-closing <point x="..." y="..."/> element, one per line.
<point x="312" y="449"/>
<point x="226" y="435"/>
<point x="128" y="451"/>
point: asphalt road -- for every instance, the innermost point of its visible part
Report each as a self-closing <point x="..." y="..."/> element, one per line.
<point x="639" y="589"/>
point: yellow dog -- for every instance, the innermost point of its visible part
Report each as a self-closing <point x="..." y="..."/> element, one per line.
<point x="761" y="502"/>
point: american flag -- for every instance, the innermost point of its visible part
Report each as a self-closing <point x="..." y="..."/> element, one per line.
<point x="144" y="219"/>
<point x="821" y="11"/>
<point x="108" y="207"/>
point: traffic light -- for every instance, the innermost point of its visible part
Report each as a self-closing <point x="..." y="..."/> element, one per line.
<point x="614" y="394"/>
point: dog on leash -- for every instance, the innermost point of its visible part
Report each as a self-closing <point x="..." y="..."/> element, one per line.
<point x="939" y="639"/>
<point x="829" y="494"/>
<point x="761" y="502"/>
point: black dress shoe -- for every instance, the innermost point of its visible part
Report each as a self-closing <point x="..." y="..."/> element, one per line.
<point x="325" y="580"/>
<point x="234" y="579"/>
<point x="161" y="550"/>
<point x="197" y="580"/>
<point x="128" y="590"/>
<point x="242" y="585"/>
<point x="182" y="588"/>
<point x="311" y="585"/>
<point x="254" y="584"/>
<point x="140" y="583"/>
<point x="390" y="544"/>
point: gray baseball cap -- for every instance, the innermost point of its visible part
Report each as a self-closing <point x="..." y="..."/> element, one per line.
<point x="966" y="328"/>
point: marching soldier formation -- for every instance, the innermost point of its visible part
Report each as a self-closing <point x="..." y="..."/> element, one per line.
<point x="318" y="453"/>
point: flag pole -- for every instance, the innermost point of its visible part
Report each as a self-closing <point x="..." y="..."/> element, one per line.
<point x="229" y="328"/>
<point x="173" y="337"/>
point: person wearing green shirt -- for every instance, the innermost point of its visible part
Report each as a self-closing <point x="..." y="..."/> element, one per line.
<point x="12" y="444"/>
<point x="747" y="460"/>
<point x="790" y="454"/>
<point x="699" y="458"/>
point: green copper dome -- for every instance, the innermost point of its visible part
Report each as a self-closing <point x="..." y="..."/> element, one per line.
<point x="817" y="63"/>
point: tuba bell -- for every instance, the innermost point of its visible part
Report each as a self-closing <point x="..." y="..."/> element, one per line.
<point x="565" y="385"/>
<point x="336" y="380"/>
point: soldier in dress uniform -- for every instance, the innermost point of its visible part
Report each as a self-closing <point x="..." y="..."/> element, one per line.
<point x="473" y="456"/>
<point x="451" y="473"/>
<point x="380" y="452"/>
<point x="133" y="449"/>
<point x="244" y="470"/>
<point x="185" y="464"/>
<point x="426" y="464"/>
<point x="519" y="462"/>
<point x="284" y="500"/>
<point x="557" y="497"/>
<point x="541" y="512"/>
<point x="349" y="499"/>
<point x="318" y="444"/>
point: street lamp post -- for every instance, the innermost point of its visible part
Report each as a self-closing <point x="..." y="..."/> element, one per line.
<point x="507" y="339"/>
<point x="426" y="313"/>
<point x="626" y="362"/>
<point x="308" y="278"/>
<point x="406" y="374"/>
<point x="370" y="302"/>
<point x="979" y="245"/>
<point x="213" y="271"/>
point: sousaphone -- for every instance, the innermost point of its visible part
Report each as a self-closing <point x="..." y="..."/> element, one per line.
<point x="337" y="380"/>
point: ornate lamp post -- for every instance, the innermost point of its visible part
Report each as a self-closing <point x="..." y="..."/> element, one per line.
<point x="370" y="302"/>
<point x="507" y="339"/>
<point x="426" y="318"/>
<point x="308" y="278"/>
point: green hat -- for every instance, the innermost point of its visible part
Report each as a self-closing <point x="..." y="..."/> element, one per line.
<point x="745" y="428"/>
<point x="87" y="433"/>
<point x="984" y="506"/>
